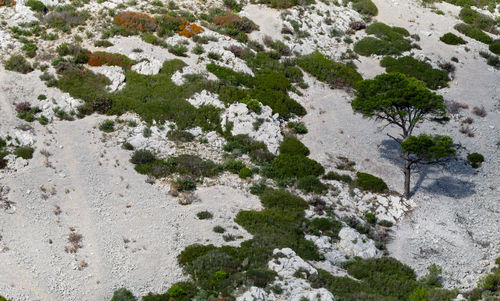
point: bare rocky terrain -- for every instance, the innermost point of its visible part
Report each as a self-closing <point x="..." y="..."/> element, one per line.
<point x="79" y="222"/>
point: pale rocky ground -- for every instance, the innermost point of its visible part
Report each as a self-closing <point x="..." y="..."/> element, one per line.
<point x="132" y="231"/>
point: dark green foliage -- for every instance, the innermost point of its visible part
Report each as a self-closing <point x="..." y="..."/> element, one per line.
<point x="293" y="146"/>
<point x="103" y="43"/>
<point x="428" y="148"/>
<point x="385" y="223"/>
<point x="245" y="173"/>
<point x="234" y="166"/>
<point x="219" y="229"/>
<point x="19" y="64"/>
<point x="258" y="188"/>
<point x="298" y="127"/>
<point x="331" y="175"/>
<point x="389" y="41"/>
<point x="473" y="32"/>
<point x="452" y="39"/>
<point x="242" y="144"/>
<point x="336" y="74"/>
<point x="142" y="156"/>
<point x="365" y="7"/>
<point x="180" y="291"/>
<point x="495" y="47"/>
<point x="281" y="48"/>
<point x="481" y="21"/>
<point x="370" y="182"/>
<point x="25" y="152"/>
<point x="36" y="6"/>
<point x="204" y="215"/>
<point x="178" y="49"/>
<point x="433" y="78"/>
<point x="107" y="126"/>
<point x="370" y="218"/>
<point x="311" y="184"/>
<point x="180" y="136"/>
<point x="475" y="159"/>
<point x="287" y="166"/>
<point x="123" y="294"/>
<point x="324" y="226"/>
<point x="184" y="184"/>
<point x="183" y="164"/>
<point x="285" y="3"/>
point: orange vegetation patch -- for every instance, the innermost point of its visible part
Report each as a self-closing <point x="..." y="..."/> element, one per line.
<point x="100" y="58"/>
<point x="7" y="2"/>
<point x="189" y="29"/>
<point x="228" y="19"/>
<point x="136" y="21"/>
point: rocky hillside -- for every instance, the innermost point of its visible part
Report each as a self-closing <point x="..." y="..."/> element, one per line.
<point x="234" y="150"/>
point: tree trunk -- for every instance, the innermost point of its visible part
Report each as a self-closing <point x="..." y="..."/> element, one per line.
<point x="407" y="173"/>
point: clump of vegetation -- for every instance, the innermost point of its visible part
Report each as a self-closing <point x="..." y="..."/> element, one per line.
<point x="324" y="226"/>
<point x="37" y="6"/>
<point x="331" y="175"/>
<point x="219" y="229"/>
<point x="19" y="64"/>
<point x="433" y="78"/>
<point x="101" y="58"/>
<point x="180" y="136"/>
<point x="234" y="166"/>
<point x="142" y="156"/>
<point x="107" y="126"/>
<point x="311" y="184"/>
<point x="123" y="294"/>
<point x="488" y="286"/>
<point x="336" y="74"/>
<point x="495" y="47"/>
<point x="245" y="172"/>
<point x="473" y="32"/>
<point x="243" y="144"/>
<point x="25" y="152"/>
<point x="479" y="20"/>
<point x="475" y="159"/>
<point x="297" y="127"/>
<point x="136" y="21"/>
<point x="387" y="41"/>
<point x="65" y="17"/>
<point x="370" y="182"/>
<point x="287" y="166"/>
<point x="204" y="215"/>
<point x="184" y="184"/>
<point x="452" y="39"/>
<point x="293" y="146"/>
<point x="365" y="7"/>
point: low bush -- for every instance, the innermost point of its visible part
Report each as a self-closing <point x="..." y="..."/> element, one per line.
<point x="184" y="184"/>
<point x="243" y="144"/>
<point x="204" y="215"/>
<point x="389" y="40"/>
<point x="142" y="156"/>
<point x="293" y="146"/>
<point x="495" y="47"/>
<point x="245" y="172"/>
<point x="219" y="229"/>
<point x="336" y="74"/>
<point x="25" y="152"/>
<point x="37" y="6"/>
<point x="180" y="291"/>
<point x="452" y="39"/>
<point x="433" y="78"/>
<point x="331" y="175"/>
<point x="107" y="126"/>
<point x="178" y="49"/>
<point x="123" y="294"/>
<point x="297" y="127"/>
<point x="65" y="17"/>
<point x="136" y="21"/>
<point x="234" y="166"/>
<point x="311" y="184"/>
<point x="479" y="20"/>
<point x="370" y="182"/>
<point x="473" y="32"/>
<point x="324" y="226"/>
<point x="286" y="166"/>
<point x="180" y="136"/>
<point x="100" y="58"/>
<point x="365" y="7"/>
<point x="188" y="165"/>
<point x="19" y="64"/>
<point x="475" y="159"/>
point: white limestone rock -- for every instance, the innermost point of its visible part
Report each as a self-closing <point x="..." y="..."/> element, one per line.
<point x="147" y="67"/>
<point x="205" y="98"/>
<point x="115" y="74"/>
<point x="355" y="244"/>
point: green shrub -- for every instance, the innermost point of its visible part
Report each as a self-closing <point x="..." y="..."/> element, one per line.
<point x="25" y="152"/>
<point x="331" y="175"/>
<point x="473" y="32"/>
<point x="107" y="126"/>
<point x="142" y="156"/>
<point x="180" y="291"/>
<point x="311" y="184"/>
<point x="293" y="146"/>
<point x="258" y="188"/>
<point x="178" y="49"/>
<point x="433" y="78"/>
<point x="475" y="159"/>
<point x="297" y="127"/>
<point x="36" y="6"/>
<point x="184" y="184"/>
<point x="245" y="172"/>
<point x="495" y="47"/>
<point x="219" y="229"/>
<point x="287" y="166"/>
<point x="324" y="226"/>
<point x="234" y="166"/>
<point x="180" y="136"/>
<point x="481" y="21"/>
<point x="204" y="215"/>
<point x="370" y="182"/>
<point x="243" y="144"/>
<point x="123" y="294"/>
<point x="336" y="74"/>
<point x="190" y="165"/>
<point x="19" y="64"/>
<point x="365" y="7"/>
<point x="452" y="39"/>
<point x="389" y="40"/>
<point x="370" y="218"/>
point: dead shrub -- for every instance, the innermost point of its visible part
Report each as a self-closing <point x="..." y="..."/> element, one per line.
<point x="189" y="29"/>
<point x="479" y="111"/>
<point x="7" y="2"/>
<point x="100" y="58"/>
<point x="23" y="107"/>
<point x="74" y="239"/>
<point x="467" y="120"/>
<point x="136" y="21"/>
<point x="466" y="130"/>
<point x="357" y="25"/>
<point x="455" y="106"/>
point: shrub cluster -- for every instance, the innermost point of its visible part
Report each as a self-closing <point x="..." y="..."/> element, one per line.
<point x="65" y="17"/>
<point x="100" y="58"/>
<point x="495" y="47"/>
<point x="136" y="21"/>
<point x="293" y="146"/>
<point x="243" y="144"/>
<point x="452" y="39"/>
<point x="365" y="7"/>
<point x="370" y="182"/>
<point x="473" y="32"/>
<point x="433" y="78"/>
<point x="324" y="226"/>
<point x="481" y="21"/>
<point x="37" y="6"/>
<point x="475" y="159"/>
<point x="387" y="41"/>
<point x="19" y="64"/>
<point x="336" y="74"/>
<point x="311" y="184"/>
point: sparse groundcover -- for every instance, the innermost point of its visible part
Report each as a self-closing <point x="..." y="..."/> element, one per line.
<point x="387" y="41"/>
<point x="452" y="39"/>
<point x="336" y="74"/>
<point x="19" y="64"/>
<point x="433" y="78"/>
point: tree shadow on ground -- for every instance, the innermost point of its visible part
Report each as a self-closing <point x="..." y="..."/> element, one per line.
<point x="440" y="175"/>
